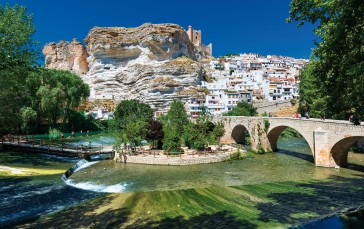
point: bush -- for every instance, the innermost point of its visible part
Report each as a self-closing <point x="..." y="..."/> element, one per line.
<point x="54" y="133"/>
<point x="237" y="155"/>
<point x="259" y="151"/>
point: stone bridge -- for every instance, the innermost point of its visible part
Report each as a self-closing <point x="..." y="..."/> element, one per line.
<point x="329" y="140"/>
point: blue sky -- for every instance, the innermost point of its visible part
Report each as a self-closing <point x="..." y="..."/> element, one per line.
<point x="231" y="26"/>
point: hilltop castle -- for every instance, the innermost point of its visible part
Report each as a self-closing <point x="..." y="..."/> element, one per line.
<point x="195" y="37"/>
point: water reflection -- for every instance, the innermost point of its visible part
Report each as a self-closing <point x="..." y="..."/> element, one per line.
<point x="293" y="162"/>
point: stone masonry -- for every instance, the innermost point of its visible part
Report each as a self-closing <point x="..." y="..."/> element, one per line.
<point x="176" y="160"/>
<point x="329" y="140"/>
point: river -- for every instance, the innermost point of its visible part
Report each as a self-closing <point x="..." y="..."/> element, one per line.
<point x="280" y="189"/>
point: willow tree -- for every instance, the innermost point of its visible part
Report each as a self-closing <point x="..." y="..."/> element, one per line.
<point x="59" y="92"/>
<point x="339" y="52"/>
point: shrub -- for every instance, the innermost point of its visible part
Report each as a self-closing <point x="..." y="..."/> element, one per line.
<point x="54" y="133"/>
<point x="237" y="155"/>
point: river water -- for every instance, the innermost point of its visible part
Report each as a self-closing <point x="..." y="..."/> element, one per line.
<point x="286" y="165"/>
<point x="28" y="197"/>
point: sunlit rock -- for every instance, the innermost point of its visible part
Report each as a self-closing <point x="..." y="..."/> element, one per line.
<point x="155" y="63"/>
<point x="67" y="56"/>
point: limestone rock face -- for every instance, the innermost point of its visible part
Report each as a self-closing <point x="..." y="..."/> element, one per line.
<point x="67" y="56"/>
<point x="118" y="45"/>
<point x="156" y="84"/>
<point x="153" y="63"/>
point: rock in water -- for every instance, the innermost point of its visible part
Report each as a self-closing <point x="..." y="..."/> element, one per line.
<point x="155" y="63"/>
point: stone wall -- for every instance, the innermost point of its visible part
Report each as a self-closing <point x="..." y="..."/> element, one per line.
<point x="176" y="160"/>
<point x="267" y="106"/>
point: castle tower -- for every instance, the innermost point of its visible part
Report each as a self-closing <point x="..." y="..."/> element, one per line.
<point x="190" y="33"/>
<point x="195" y="37"/>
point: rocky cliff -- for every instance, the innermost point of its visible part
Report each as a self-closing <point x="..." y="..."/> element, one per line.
<point x="67" y="56"/>
<point x="153" y="62"/>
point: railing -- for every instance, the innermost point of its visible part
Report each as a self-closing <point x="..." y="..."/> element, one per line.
<point x="44" y="146"/>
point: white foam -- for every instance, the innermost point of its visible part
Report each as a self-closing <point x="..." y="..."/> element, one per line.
<point x="32" y="193"/>
<point x="91" y="186"/>
<point x="88" y="164"/>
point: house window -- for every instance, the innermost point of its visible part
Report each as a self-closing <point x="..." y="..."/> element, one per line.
<point x="229" y="102"/>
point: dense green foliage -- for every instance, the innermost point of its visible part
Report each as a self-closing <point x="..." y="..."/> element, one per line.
<point x="57" y="94"/>
<point x="16" y="31"/>
<point x="31" y="98"/>
<point x="333" y="83"/>
<point x="174" y="125"/>
<point x="290" y="133"/>
<point x="242" y="109"/>
<point x="132" y="110"/>
<point x="200" y="134"/>
<point x="16" y="59"/>
<point x="131" y="121"/>
<point x="237" y="155"/>
<point x="179" y="130"/>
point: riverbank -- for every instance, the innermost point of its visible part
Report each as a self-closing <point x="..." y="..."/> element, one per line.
<point x="182" y="159"/>
<point x="15" y="171"/>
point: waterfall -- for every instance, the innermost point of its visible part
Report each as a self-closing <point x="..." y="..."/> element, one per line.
<point x="73" y="169"/>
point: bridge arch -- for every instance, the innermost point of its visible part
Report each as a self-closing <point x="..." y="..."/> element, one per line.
<point x="238" y="133"/>
<point x="275" y="132"/>
<point x="340" y="149"/>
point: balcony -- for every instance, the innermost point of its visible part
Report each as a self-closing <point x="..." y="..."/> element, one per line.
<point x="215" y="105"/>
<point x="193" y="105"/>
<point x="287" y="86"/>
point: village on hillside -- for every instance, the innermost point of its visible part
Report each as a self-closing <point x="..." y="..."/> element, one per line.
<point x="260" y="80"/>
<point x="248" y="77"/>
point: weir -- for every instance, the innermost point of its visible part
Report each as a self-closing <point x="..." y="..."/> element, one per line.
<point x="70" y="171"/>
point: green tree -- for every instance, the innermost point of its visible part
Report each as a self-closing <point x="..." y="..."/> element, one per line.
<point x="242" y="109"/>
<point x="131" y="121"/>
<point x="132" y="110"/>
<point x="55" y="94"/>
<point x="17" y="56"/>
<point x="178" y="116"/>
<point x="31" y="95"/>
<point x="133" y="132"/>
<point x="312" y="99"/>
<point x="218" y="131"/>
<point x="172" y="138"/>
<point x="174" y="125"/>
<point x="16" y="31"/>
<point x="339" y="66"/>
